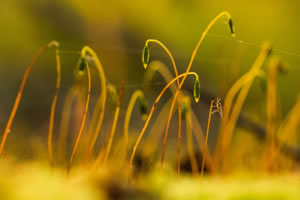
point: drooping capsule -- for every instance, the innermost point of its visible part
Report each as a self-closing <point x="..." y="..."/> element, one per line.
<point x="231" y="27"/>
<point x="143" y="107"/>
<point x="82" y="64"/>
<point x="146" y="56"/>
<point x="80" y="68"/>
<point x="197" y="90"/>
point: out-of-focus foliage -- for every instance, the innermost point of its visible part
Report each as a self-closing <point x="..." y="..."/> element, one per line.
<point x="117" y="31"/>
<point x="37" y="182"/>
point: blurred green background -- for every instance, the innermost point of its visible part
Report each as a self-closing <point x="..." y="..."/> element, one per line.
<point x="117" y="31"/>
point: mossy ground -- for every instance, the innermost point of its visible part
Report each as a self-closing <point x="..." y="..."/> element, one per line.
<point x="38" y="182"/>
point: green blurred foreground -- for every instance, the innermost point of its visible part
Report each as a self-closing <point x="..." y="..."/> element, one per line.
<point x="37" y="182"/>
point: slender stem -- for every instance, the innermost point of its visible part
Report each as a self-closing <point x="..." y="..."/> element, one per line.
<point x="169" y="54"/>
<point x="228" y="122"/>
<point x="162" y="69"/>
<point x="190" y="65"/>
<point x="200" y="139"/>
<point x="101" y="101"/>
<point x="224" y="13"/>
<point x="179" y="133"/>
<point x="166" y="74"/>
<point x="157" y="129"/>
<point x="113" y="129"/>
<point x="20" y="92"/>
<point x="83" y="119"/>
<point x="112" y="133"/>
<point x="288" y="129"/>
<point x="190" y="145"/>
<point x="166" y="134"/>
<point x="173" y="104"/>
<point x="98" y="159"/>
<point x="271" y="110"/>
<point x="72" y="94"/>
<point x="206" y="137"/>
<point x="51" y="123"/>
<point x="151" y="112"/>
<point x="12" y="161"/>
<point x="137" y="94"/>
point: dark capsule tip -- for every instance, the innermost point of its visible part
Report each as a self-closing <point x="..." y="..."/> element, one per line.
<point x="82" y="64"/>
<point x="231" y="27"/>
<point x="145" y="56"/>
<point x="80" y="68"/>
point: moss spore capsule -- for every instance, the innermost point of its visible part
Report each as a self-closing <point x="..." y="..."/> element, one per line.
<point x="82" y="64"/>
<point x="197" y="90"/>
<point x="80" y="68"/>
<point x="231" y="27"/>
<point x="146" y="56"/>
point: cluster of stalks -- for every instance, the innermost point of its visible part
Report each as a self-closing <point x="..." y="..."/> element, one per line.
<point x="229" y="114"/>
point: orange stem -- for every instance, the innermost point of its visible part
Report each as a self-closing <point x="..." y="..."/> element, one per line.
<point x="20" y="92"/>
<point x="11" y="161"/>
<point x="84" y="118"/>
<point x="51" y="122"/>
<point x="206" y="137"/>
<point x="151" y="112"/>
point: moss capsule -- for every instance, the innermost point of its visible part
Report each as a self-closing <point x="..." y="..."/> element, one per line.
<point x="231" y="27"/>
<point x="197" y="90"/>
<point x="146" y="56"/>
<point x="81" y="64"/>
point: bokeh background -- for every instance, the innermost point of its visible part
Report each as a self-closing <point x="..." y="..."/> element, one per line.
<point x="117" y="31"/>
